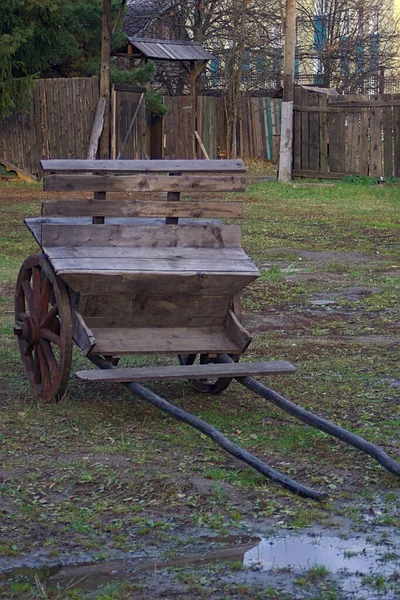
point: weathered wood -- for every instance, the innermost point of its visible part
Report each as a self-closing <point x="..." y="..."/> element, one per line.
<point x="130" y="128"/>
<point x="116" y="208"/>
<point x="364" y="143"/>
<point x="396" y="138"/>
<point x="387" y="117"/>
<point x="352" y="141"/>
<point x="216" y="236"/>
<point x="137" y="183"/>
<point x="143" y="166"/>
<point x="140" y="321"/>
<point x="314" y="129"/>
<point x="97" y="128"/>
<point x="126" y="306"/>
<point x="172" y="254"/>
<point x="187" y="372"/>
<point x="375" y="169"/>
<point x="143" y="265"/>
<point x="319" y="174"/>
<point x="23" y="175"/>
<point x="166" y="284"/>
<point x="236" y="331"/>
<point x="81" y="334"/>
<point x="304" y="132"/>
<point x="164" y="340"/>
<point x="200" y="142"/>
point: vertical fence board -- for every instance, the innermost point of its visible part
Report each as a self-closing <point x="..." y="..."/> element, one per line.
<point x="364" y="145"/>
<point x="304" y="131"/>
<point x="314" y="148"/>
<point x="297" y="131"/>
<point x="352" y="142"/>
<point x="376" y="142"/>
<point x="387" y="118"/>
<point x="396" y="137"/>
<point x="323" y="134"/>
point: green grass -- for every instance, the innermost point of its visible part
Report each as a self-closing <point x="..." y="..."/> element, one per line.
<point x="101" y="472"/>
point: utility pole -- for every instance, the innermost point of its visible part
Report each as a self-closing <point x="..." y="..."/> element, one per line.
<point x="104" y="150"/>
<point x="286" y="148"/>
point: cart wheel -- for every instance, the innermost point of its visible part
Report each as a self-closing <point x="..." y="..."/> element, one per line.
<point x="206" y="386"/>
<point x="43" y="325"/>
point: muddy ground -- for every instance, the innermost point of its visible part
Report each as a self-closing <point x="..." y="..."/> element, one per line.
<point x="102" y="496"/>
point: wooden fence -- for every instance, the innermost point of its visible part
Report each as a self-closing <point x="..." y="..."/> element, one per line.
<point x="257" y="134"/>
<point x="336" y="136"/>
<point x="57" y="124"/>
<point x="59" y="121"/>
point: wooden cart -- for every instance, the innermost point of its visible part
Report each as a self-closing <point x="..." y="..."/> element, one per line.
<point x="125" y="277"/>
<point x="132" y="276"/>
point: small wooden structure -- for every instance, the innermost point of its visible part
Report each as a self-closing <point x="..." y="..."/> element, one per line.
<point x="130" y="277"/>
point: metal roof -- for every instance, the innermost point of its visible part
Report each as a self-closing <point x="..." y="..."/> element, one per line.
<point x="170" y="49"/>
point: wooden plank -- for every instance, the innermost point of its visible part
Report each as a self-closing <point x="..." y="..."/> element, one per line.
<point x="359" y="103"/>
<point x="319" y="174"/>
<point x="164" y="340"/>
<point x="81" y="334"/>
<point x="143" y="166"/>
<point x="157" y="284"/>
<point x="313" y="141"/>
<point x="115" y="208"/>
<point x="132" y="321"/>
<point x="140" y="183"/>
<point x="297" y="132"/>
<point x="143" y="265"/>
<point x="387" y="118"/>
<point x="236" y="331"/>
<point x="187" y="372"/>
<point x="375" y="169"/>
<point x="218" y="236"/>
<point x="145" y="306"/>
<point x="396" y="137"/>
<point x="352" y="141"/>
<point x="323" y="134"/>
<point x="304" y="132"/>
<point x="333" y="131"/>
<point x="341" y="142"/>
<point x="364" y="142"/>
<point x="235" y="254"/>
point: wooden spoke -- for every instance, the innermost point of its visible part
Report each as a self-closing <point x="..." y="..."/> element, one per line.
<point x="26" y="286"/>
<point x="36" y="286"/>
<point x="36" y="369"/>
<point x="44" y="328"/>
<point x="44" y="372"/>
<point x="51" y="336"/>
<point x="45" y="347"/>
<point x="47" y="319"/>
<point x="44" y="296"/>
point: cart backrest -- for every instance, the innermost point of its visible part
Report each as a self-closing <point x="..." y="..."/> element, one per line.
<point x="154" y="176"/>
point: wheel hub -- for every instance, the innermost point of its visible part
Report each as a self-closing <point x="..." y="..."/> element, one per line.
<point x="30" y="330"/>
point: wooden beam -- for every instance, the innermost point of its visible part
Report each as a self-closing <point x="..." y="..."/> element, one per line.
<point x="143" y="183"/>
<point x="118" y="208"/>
<point x="187" y="372"/>
<point x="143" y="166"/>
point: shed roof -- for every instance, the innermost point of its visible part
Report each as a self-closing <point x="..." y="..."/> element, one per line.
<point x="170" y="49"/>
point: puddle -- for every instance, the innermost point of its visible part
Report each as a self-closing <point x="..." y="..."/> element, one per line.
<point x="354" y="555"/>
<point x="348" y="558"/>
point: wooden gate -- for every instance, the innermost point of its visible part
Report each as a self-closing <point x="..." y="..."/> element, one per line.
<point x="335" y="136"/>
<point x="128" y="123"/>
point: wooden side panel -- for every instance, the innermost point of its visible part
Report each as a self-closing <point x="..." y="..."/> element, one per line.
<point x="333" y="142"/>
<point x="210" y="236"/>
